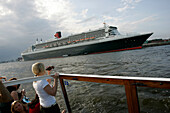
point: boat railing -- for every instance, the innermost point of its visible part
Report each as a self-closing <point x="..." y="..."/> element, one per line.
<point x="130" y="84"/>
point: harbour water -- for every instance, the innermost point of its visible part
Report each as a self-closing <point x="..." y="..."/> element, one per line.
<point x="86" y="97"/>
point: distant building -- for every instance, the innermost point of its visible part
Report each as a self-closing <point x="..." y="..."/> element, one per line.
<point x="19" y="59"/>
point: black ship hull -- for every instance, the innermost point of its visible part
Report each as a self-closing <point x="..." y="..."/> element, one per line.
<point x="93" y="47"/>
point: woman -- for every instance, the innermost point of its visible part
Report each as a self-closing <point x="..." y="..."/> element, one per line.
<point x="14" y="91"/>
<point x="19" y="107"/>
<point x="5" y="99"/>
<point x="34" y="105"/>
<point x="45" y="91"/>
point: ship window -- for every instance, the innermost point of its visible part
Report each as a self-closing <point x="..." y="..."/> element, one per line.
<point x="113" y="31"/>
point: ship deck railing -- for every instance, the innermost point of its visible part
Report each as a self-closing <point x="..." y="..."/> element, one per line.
<point x="130" y="84"/>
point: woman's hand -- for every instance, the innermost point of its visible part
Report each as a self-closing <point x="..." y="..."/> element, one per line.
<point x="5" y="78"/>
<point x="56" y="76"/>
<point x="23" y="92"/>
<point x="52" y="90"/>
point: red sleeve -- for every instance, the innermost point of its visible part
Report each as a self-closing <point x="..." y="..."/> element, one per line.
<point x="36" y="109"/>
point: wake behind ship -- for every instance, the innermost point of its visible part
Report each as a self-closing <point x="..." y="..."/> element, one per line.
<point x="106" y="39"/>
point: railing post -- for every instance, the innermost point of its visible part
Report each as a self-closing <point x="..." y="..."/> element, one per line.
<point x="63" y="90"/>
<point x="132" y="97"/>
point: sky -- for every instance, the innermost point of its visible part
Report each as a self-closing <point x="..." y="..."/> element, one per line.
<point x="23" y="21"/>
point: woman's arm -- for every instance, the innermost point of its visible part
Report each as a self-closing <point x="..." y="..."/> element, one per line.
<point x="52" y="90"/>
<point x="22" y="94"/>
<point x="4" y="94"/>
<point x="49" y="80"/>
<point x="14" y="95"/>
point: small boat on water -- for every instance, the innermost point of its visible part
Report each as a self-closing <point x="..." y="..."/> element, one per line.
<point x="102" y="40"/>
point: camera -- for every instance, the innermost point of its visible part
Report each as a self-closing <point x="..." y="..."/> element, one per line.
<point x="3" y="79"/>
<point x="49" y="68"/>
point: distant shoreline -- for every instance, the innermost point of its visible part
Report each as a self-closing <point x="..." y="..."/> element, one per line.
<point x="156" y="42"/>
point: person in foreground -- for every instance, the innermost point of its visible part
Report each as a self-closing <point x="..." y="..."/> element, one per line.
<point x="32" y="107"/>
<point x="5" y="99"/>
<point x="18" y="107"/>
<point x="45" y="91"/>
<point x="14" y="91"/>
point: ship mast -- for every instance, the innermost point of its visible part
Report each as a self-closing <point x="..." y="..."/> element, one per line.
<point x="106" y="30"/>
<point x="36" y="41"/>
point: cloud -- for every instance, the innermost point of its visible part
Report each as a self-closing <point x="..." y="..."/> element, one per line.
<point x="52" y="9"/>
<point x="107" y="17"/>
<point x="131" y="26"/>
<point x="28" y="20"/>
<point x="4" y="11"/>
<point x="22" y="22"/>
<point x="84" y="12"/>
<point x="19" y="26"/>
<point x="125" y="2"/>
<point x="144" y="20"/>
<point x="60" y="13"/>
<point x="89" y="19"/>
<point x="123" y="8"/>
<point x="128" y="4"/>
<point x="64" y="17"/>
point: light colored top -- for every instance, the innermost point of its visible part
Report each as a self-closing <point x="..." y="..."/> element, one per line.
<point x="46" y="100"/>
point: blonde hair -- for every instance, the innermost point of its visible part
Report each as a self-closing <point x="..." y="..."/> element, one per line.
<point x="38" y="68"/>
<point x="13" y="104"/>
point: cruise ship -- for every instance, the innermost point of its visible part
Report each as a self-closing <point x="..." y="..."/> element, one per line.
<point x="102" y="40"/>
